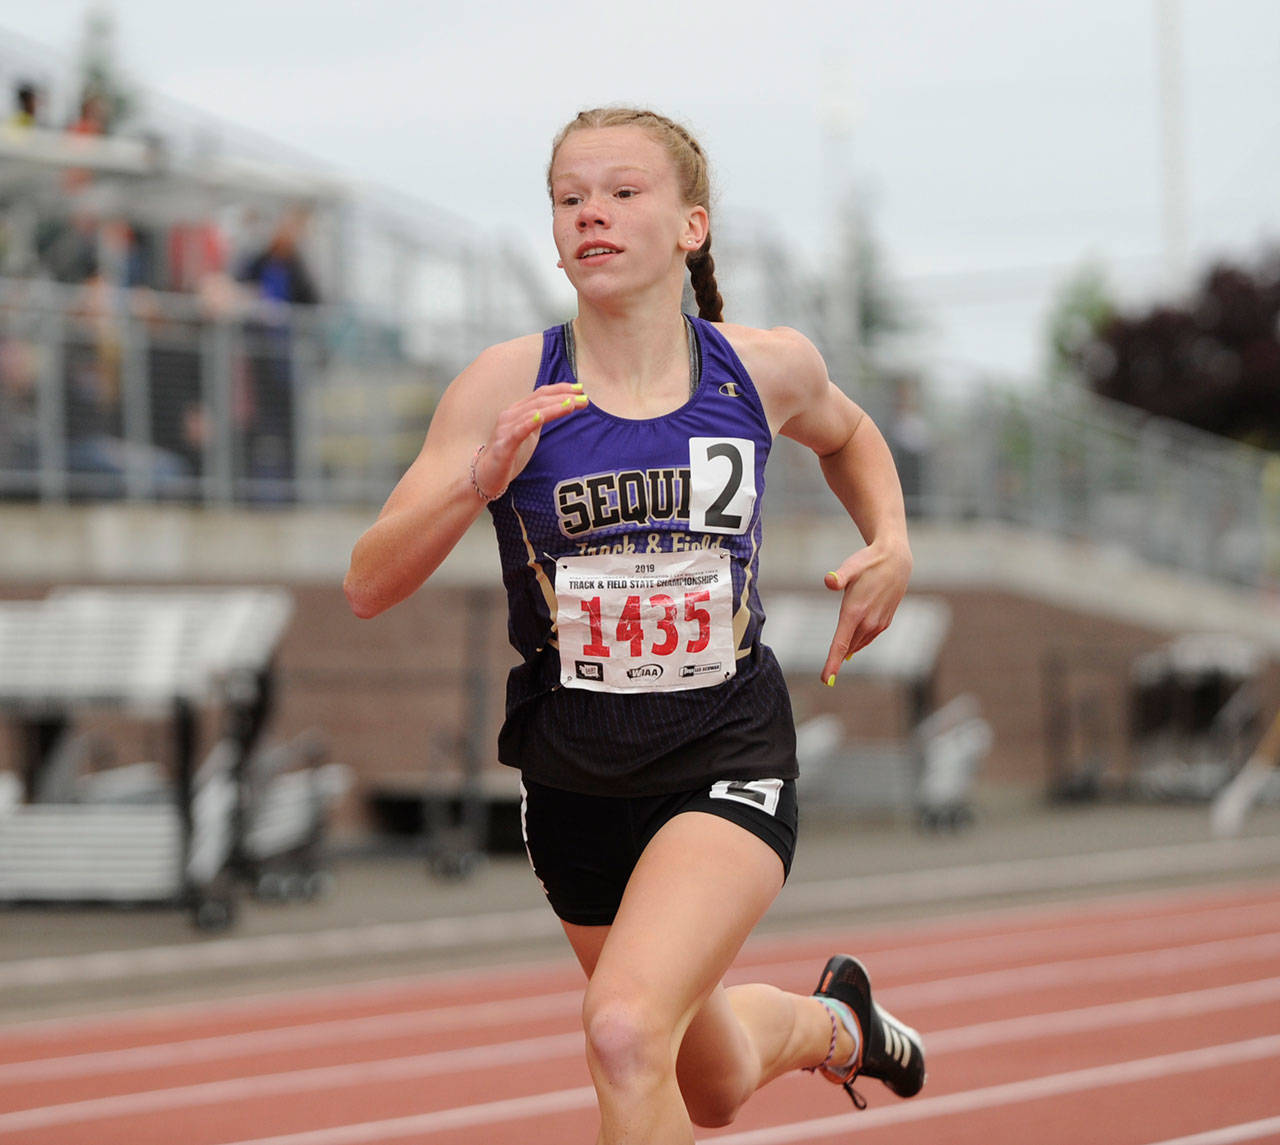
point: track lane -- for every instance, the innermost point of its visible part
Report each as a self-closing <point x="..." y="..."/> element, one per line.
<point x="988" y="990"/>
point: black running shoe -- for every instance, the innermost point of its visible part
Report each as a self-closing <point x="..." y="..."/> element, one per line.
<point x="891" y="1052"/>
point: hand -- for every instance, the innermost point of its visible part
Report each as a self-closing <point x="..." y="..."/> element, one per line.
<point x="873" y="582"/>
<point x="516" y="433"/>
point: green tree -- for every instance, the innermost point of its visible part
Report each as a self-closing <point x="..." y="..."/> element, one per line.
<point x="1084" y="306"/>
<point x="100" y="74"/>
<point x="1212" y="362"/>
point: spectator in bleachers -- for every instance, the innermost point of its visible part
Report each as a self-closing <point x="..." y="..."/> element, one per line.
<point x="26" y="112"/>
<point x="94" y="118"/>
<point x="281" y="280"/>
<point x="911" y="440"/>
<point x="278" y="270"/>
<point x="20" y="361"/>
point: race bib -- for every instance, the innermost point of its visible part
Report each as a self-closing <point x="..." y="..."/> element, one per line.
<point x="652" y="622"/>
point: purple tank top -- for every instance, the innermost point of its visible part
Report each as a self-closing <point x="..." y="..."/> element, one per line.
<point x="687" y="482"/>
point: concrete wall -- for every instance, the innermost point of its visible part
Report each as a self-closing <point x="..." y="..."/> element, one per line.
<point x="399" y="697"/>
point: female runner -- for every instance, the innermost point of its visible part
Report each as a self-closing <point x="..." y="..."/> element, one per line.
<point x="622" y="459"/>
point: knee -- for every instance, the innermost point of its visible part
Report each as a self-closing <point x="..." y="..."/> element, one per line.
<point x="625" y="1045"/>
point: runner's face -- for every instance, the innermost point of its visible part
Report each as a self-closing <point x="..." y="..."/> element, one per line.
<point x="619" y="221"/>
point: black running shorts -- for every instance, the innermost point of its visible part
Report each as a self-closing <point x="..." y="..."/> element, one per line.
<point x="583" y="848"/>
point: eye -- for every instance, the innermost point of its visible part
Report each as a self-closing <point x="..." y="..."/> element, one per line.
<point x="569" y="200"/>
<point x="626" y="193"/>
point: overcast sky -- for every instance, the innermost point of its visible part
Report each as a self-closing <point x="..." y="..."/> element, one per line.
<point x="995" y="144"/>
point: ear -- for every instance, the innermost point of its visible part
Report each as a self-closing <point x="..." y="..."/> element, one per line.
<point x="697" y="224"/>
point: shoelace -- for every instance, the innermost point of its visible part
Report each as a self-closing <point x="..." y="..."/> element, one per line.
<point x="859" y="1102"/>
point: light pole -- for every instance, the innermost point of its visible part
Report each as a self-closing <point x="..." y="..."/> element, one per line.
<point x="843" y="310"/>
<point x="1173" y="155"/>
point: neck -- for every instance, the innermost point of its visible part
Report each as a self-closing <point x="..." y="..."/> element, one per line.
<point x="638" y="352"/>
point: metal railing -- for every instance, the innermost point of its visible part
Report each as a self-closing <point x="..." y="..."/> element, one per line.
<point x="108" y="393"/>
<point x="145" y="397"/>
<point x="1076" y="466"/>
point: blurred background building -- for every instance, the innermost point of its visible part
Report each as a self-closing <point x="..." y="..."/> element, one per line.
<point x="217" y="357"/>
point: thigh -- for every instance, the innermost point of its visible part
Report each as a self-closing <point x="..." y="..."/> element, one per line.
<point x="699" y="888"/>
<point x="764" y="807"/>
<point x="581" y="848"/>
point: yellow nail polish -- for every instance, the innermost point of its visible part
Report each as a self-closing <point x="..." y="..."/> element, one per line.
<point x="848" y="658"/>
<point x="578" y="386"/>
<point x="537" y="416"/>
<point x="567" y="402"/>
<point x="831" y="680"/>
<point x="582" y="399"/>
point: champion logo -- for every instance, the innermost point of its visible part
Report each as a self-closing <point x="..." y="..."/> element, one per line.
<point x="731" y="390"/>
<point x="897" y="1044"/>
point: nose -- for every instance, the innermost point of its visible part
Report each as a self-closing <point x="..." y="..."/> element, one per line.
<point x="591" y="213"/>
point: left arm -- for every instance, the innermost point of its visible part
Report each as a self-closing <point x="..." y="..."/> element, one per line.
<point x="805" y="405"/>
<point x="873" y="580"/>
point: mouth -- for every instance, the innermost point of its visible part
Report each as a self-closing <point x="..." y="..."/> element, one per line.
<point x="595" y="250"/>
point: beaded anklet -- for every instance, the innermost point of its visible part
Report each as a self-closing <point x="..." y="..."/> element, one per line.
<point x="841" y="1015"/>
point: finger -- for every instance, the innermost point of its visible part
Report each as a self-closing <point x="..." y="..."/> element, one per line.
<point x="846" y="572"/>
<point x="857" y="627"/>
<point x="516" y="433"/>
<point x="843" y="645"/>
<point x="530" y="414"/>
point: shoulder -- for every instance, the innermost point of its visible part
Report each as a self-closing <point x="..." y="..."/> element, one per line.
<point x="503" y="369"/>
<point x="786" y="368"/>
<point x="498" y="376"/>
<point x="513" y="354"/>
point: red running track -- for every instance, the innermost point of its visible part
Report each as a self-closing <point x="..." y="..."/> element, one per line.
<point x="1142" y="1020"/>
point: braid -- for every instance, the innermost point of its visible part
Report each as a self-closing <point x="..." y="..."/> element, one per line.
<point x="691" y="175"/>
<point x="702" y="277"/>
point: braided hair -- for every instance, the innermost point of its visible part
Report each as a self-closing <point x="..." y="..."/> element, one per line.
<point x="691" y="176"/>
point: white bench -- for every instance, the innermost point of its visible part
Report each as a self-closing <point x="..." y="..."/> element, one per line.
<point x="155" y="655"/>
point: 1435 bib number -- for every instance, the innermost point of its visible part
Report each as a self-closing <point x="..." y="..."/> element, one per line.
<point x="657" y="623"/>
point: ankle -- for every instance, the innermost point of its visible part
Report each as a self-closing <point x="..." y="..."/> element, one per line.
<point x="844" y="1045"/>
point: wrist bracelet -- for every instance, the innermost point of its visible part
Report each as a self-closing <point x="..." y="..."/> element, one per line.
<point x="485" y="497"/>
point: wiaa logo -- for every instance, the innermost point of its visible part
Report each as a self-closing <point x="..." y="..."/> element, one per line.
<point x="644" y="672"/>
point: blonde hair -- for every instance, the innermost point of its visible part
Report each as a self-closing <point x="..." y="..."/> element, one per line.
<point x="692" y="178"/>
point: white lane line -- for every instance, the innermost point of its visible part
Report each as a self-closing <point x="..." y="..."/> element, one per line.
<point x="925" y="956"/>
<point x="1228" y="1134"/>
<point x="918" y="1109"/>
<point x="341" y="942"/>
<point x="1038" y="874"/>
<point x="995" y="1096"/>
<point x="462" y="1117"/>
<point x="565" y="1045"/>
<point x="1166" y="1007"/>
<point x="485" y="1058"/>
<point x="1178" y="929"/>
<point x="800" y="899"/>
<point x="992" y="983"/>
<point x="345" y="1031"/>
<point x="904" y="997"/>
<point x="1077" y="913"/>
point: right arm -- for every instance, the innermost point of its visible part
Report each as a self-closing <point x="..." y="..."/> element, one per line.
<point x="491" y="401"/>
